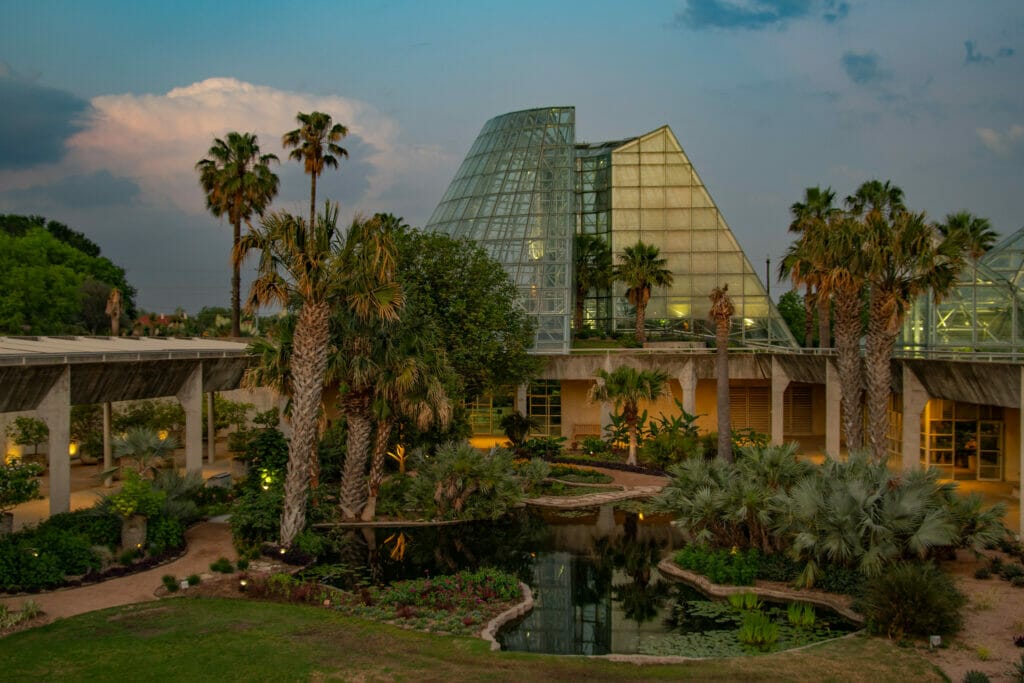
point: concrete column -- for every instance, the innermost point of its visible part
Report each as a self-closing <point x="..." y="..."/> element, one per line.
<point x="108" y="451"/>
<point x="521" y="405"/>
<point x="211" y="430"/>
<point x="1020" y="454"/>
<point x="833" y="408"/>
<point x="190" y="395"/>
<point x="688" y="383"/>
<point x="780" y="380"/>
<point x="55" y="410"/>
<point x="915" y="398"/>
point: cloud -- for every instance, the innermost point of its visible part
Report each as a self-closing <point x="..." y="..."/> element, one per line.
<point x="78" y="191"/>
<point x="974" y="56"/>
<point x="863" y="68"/>
<point x="35" y="121"/>
<point x="1003" y="144"/>
<point x="757" y="14"/>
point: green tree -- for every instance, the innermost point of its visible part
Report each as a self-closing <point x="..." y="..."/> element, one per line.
<point x="307" y="266"/>
<point x="626" y="387"/>
<point x="316" y="146"/>
<point x="469" y="303"/>
<point x="810" y="216"/>
<point x="721" y="313"/>
<point x="641" y="268"/>
<point x="238" y="183"/>
<point x="593" y="270"/>
<point x="791" y="308"/>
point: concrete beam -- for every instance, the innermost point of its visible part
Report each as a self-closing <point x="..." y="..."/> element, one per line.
<point x="55" y="410"/>
<point x="833" y="410"/>
<point x="211" y="429"/>
<point x="190" y="395"/>
<point x="915" y="398"/>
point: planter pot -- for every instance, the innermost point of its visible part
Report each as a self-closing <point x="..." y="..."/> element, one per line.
<point x="133" y="532"/>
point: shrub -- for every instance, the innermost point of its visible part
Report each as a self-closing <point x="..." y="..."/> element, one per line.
<point x="170" y="583"/>
<point x="242" y="563"/>
<point x="163" y="534"/>
<point x="256" y="515"/>
<point x="136" y="497"/>
<point x="222" y="565"/>
<point x="532" y="473"/>
<point x="267" y="453"/>
<point x="18" y="483"/>
<point x="193" y="579"/>
<point x="1016" y="672"/>
<point x="1010" y="571"/>
<point x="392" y="497"/>
<point x="777" y="567"/>
<point x="546" y="447"/>
<point x="975" y="676"/>
<point x="593" y="445"/>
<point x="732" y="567"/>
<point x="912" y="599"/>
<point x="669" y="447"/>
<point x="460" y="482"/>
<point x="982" y="573"/>
<point x="1017" y="582"/>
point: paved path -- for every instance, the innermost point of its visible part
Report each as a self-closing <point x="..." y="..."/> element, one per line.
<point x="207" y="542"/>
<point x="593" y="499"/>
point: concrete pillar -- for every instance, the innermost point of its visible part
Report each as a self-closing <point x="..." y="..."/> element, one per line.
<point x="833" y="408"/>
<point x="915" y="398"/>
<point x="211" y="430"/>
<point x="55" y="410"/>
<point x="190" y="395"/>
<point x="780" y="380"/>
<point x="521" y="401"/>
<point x="108" y="451"/>
<point x="1020" y="454"/>
<point x="688" y="383"/>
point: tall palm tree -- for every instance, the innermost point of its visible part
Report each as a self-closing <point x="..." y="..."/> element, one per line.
<point x="238" y="182"/>
<point x="310" y="267"/>
<point x="977" y="236"/>
<point x="904" y="259"/>
<point x="839" y="254"/>
<point x="721" y="312"/>
<point x="626" y="387"/>
<point x="641" y="268"/>
<point x="593" y="270"/>
<point x="316" y="145"/>
<point x="814" y="214"/>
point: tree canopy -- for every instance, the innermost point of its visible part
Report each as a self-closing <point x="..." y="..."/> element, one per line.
<point x="53" y="280"/>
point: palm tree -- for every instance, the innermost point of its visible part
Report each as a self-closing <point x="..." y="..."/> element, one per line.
<point x="978" y="238"/>
<point x="626" y="388"/>
<point x="309" y="267"/>
<point x="640" y="268"/>
<point x="238" y="182"/>
<point x="814" y="214"/>
<point x="721" y="312"/>
<point x="593" y="270"/>
<point x="904" y="259"/>
<point x="316" y="145"/>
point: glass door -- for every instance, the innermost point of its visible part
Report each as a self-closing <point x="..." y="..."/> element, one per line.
<point x="990" y="450"/>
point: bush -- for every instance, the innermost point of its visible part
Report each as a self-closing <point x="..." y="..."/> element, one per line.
<point x="460" y="482"/>
<point x="982" y="573"/>
<point x="170" y="583"/>
<point x="18" y="483"/>
<point x="256" y="515"/>
<point x="593" y="445"/>
<point x="222" y="565"/>
<point x="731" y="567"/>
<point x="913" y="599"/>
<point x="546" y="447"/>
<point x="974" y="676"/>
<point x="266" y="455"/>
<point x="777" y="567"/>
<point x="163" y="534"/>
<point x="532" y="473"/>
<point x="393" y="495"/>
<point x="668" y="448"/>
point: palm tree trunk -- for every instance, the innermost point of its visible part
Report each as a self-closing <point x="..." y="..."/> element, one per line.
<point x="878" y="355"/>
<point x="722" y="376"/>
<point x="580" y="301"/>
<point x="848" y="362"/>
<point x="641" y="315"/>
<point x="380" y="448"/>
<point x="236" y="286"/>
<point x="631" y="458"/>
<point x="312" y="200"/>
<point x="824" y="328"/>
<point x="808" y="317"/>
<point x="356" y="406"/>
<point x="309" y="364"/>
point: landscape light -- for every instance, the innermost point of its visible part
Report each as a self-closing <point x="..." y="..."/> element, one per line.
<point x="73" y="449"/>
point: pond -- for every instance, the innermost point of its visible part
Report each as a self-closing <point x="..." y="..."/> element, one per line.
<point x="594" y="578"/>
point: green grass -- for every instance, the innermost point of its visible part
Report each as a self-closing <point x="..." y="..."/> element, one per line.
<point x="197" y="639"/>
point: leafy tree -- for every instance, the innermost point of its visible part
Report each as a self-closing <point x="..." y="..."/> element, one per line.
<point x="316" y="145"/>
<point x="28" y="431"/>
<point x="19" y="483"/>
<point x="641" y="268"/>
<point x="470" y="303"/>
<point x="721" y="313"/>
<point x="791" y="308"/>
<point x="315" y="267"/>
<point x="626" y="387"/>
<point x="43" y="280"/>
<point x="593" y="270"/>
<point x="238" y="183"/>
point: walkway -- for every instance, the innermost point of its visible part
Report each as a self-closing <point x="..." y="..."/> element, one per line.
<point x="593" y="499"/>
<point x="207" y="542"/>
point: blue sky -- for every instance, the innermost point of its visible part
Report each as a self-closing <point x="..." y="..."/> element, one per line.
<point x="108" y="105"/>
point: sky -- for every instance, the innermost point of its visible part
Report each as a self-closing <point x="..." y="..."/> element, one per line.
<point x="105" y="107"/>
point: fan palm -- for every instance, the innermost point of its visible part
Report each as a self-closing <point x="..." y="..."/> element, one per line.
<point x="593" y="270"/>
<point x="314" y="267"/>
<point x="721" y="312"/>
<point x="814" y="214"/>
<point x="626" y="387"/>
<point x="903" y="259"/>
<point x="976" y="233"/>
<point x="316" y="145"/>
<point x="641" y="268"/>
<point x="238" y="182"/>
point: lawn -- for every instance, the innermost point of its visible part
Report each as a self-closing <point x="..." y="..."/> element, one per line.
<point x="206" y="639"/>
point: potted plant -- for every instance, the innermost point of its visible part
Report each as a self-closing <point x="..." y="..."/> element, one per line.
<point x="135" y="503"/>
<point x="18" y="484"/>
